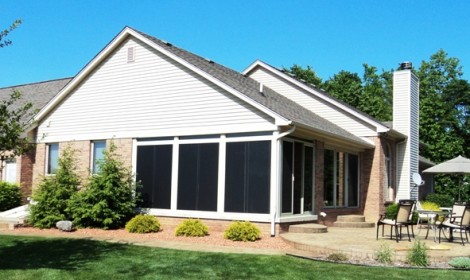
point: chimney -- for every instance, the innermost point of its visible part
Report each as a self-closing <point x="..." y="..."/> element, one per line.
<point x="406" y="121"/>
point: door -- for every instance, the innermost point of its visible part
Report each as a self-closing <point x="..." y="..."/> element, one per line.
<point x="297" y="178"/>
<point x="10" y="171"/>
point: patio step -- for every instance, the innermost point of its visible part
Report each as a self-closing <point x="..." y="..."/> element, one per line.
<point x="352" y="221"/>
<point x="308" y="228"/>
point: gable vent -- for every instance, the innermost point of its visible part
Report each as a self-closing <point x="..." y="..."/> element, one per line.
<point x="130" y="54"/>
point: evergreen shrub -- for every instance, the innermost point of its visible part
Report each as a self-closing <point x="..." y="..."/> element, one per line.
<point x="54" y="192"/>
<point x="10" y="196"/>
<point x="109" y="198"/>
<point x="192" y="228"/>
<point x="143" y="224"/>
<point x="443" y="200"/>
<point x="242" y="231"/>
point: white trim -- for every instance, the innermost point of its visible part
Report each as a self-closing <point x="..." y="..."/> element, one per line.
<point x="221" y="175"/>
<point x="163" y="133"/>
<point x="379" y="127"/>
<point x="134" y="158"/>
<point x="174" y="174"/>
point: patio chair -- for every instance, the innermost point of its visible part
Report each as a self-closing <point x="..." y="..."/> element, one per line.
<point x="456" y="222"/>
<point x="403" y="218"/>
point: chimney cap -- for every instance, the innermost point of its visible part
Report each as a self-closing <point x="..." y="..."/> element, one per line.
<point x="406" y="65"/>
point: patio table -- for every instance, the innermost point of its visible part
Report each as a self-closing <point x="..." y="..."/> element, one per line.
<point x="433" y="217"/>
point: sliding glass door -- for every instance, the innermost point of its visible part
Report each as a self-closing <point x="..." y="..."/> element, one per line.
<point x="297" y="177"/>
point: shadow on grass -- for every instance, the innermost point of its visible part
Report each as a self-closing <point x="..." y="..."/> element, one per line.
<point x="68" y="254"/>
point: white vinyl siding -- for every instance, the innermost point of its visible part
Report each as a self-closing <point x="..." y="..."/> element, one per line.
<point x="314" y="104"/>
<point x="150" y="97"/>
<point x="406" y="121"/>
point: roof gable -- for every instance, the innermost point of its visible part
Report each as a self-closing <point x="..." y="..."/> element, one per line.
<point x="380" y="127"/>
<point x="282" y="109"/>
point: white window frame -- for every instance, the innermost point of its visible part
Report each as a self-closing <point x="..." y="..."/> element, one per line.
<point x="92" y="154"/>
<point x="47" y="158"/>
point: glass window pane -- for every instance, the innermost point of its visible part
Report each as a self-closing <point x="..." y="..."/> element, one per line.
<point x="329" y="178"/>
<point x="53" y="158"/>
<point x="308" y="179"/>
<point x="287" y="171"/>
<point x="98" y="148"/>
<point x="353" y="181"/>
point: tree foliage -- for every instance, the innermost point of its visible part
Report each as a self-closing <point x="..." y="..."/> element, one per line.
<point x="15" y="114"/>
<point x="307" y="75"/>
<point x="10" y="196"/>
<point x="444" y="106"/>
<point x="4" y="33"/>
<point x="109" y="199"/>
<point x="53" y="194"/>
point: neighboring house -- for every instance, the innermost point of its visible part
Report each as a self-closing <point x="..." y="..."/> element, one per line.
<point x="19" y="170"/>
<point x="209" y="142"/>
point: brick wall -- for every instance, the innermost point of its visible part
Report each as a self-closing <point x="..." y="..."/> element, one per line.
<point x="170" y="223"/>
<point x="82" y="155"/>
<point x="25" y="173"/>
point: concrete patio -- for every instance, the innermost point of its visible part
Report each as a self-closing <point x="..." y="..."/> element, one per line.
<point x="361" y="243"/>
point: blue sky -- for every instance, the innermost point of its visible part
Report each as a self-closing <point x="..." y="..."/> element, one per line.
<point x="58" y="38"/>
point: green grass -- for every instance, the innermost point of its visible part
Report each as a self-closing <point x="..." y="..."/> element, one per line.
<point x="54" y="258"/>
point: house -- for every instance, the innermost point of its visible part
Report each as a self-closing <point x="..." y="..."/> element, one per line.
<point x="18" y="170"/>
<point x="209" y="142"/>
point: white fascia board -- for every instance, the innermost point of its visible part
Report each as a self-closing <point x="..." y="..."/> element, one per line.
<point x="379" y="127"/>
<point x="279" y="120"/>
<point x="81" y="75"/>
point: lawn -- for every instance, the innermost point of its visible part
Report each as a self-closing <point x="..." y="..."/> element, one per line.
<point x="60" y="258"/>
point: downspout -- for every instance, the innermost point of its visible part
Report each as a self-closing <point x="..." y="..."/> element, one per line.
<point x="273" y="216"/>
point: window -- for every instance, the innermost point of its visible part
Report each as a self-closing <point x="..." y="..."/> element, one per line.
<point x="198" y="177"/>
<point x="247" y="177"/>
<point x="98" y="148"/>
<point x="297" y="177"/>
<point x="52" y="158"/>
<point x="154" y="173"/>
<point x="388" y="180"/>
<point x="341" y="179"/>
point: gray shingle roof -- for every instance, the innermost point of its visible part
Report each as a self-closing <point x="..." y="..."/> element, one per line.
<point x="270" y="99"/>
<point x="39" y="94"/>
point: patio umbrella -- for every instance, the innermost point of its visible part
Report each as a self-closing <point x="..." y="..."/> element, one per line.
<point x="458" y="165"/>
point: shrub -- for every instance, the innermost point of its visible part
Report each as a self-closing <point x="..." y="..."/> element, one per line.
<point x="384" y="254"/>
<point x="10" y="196"/>
<point x="52" y="196"/>
<point x="143" y="224"/>
<point x="418" y="255"/>
<point x="242" y="231"/>
<point x="443" y="200"/>
<point x="193" y="228"/>
<point x="460" y="263"/>
<point x="429" y="205"/>
<point x="391" y="211"/>
<point x="109" y="198"/>
<point x="337" y="257"/>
